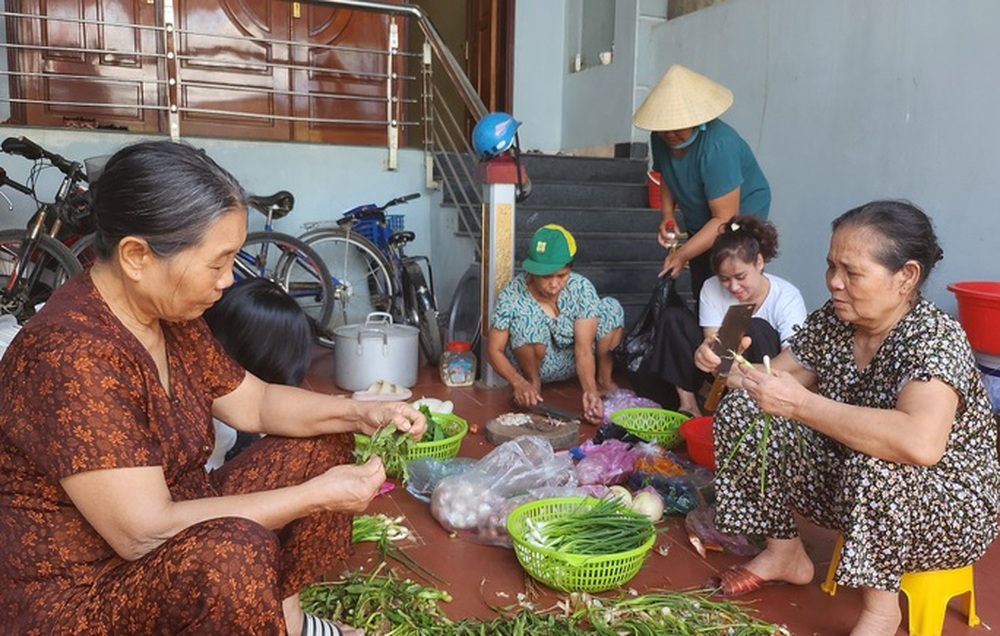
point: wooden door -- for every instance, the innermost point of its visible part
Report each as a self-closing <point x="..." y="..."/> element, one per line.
<point x="491" y="48"/>
<point x="85" y="53"/>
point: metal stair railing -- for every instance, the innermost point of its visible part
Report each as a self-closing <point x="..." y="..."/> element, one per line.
<point x="421" y="106"/>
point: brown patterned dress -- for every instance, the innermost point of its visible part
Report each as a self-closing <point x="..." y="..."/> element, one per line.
<point x="78" y="392"/>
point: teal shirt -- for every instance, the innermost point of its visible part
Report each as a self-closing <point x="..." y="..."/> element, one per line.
<point x="718" y="162"/>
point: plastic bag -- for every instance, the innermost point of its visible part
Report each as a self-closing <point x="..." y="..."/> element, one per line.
<point x="704" y="535"/>
<point x="605" y="464"/>
<point x="426" y="472"/>
<point x="624" y="399"/>
<point x="637" y="342"/>
<point x="681" y="492"/>
<point x="492" y="530"/>
<point x="522" y="465"/>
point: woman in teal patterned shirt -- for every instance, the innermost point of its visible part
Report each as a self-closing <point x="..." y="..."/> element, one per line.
<point x="549" y="324"/>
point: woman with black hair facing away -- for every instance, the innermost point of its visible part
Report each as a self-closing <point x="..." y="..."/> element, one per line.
<point x="111" y="524"/>
<point x="880" y="428"/>
<point x="683" y="344"/>
<point x="269" y="335"/>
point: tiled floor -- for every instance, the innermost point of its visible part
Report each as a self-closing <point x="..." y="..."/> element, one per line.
<point x="481" y="576"/>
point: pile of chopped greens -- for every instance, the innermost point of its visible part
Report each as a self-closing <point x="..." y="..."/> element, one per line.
<point x="384" y="604"/>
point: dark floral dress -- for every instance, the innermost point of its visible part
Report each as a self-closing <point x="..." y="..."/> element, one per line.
<point x="895" y="518"/>
<point x="78" y="392"/>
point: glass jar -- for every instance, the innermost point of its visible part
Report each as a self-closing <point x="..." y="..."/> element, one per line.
<point x="458" y="364"/>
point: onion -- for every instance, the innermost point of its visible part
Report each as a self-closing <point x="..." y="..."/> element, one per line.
<point x="622" y="494"/>
<point x="648" y="502"/>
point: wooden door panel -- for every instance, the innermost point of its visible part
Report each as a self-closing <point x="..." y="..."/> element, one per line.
<point x="346" y="83"/>
<point x="233" y="59"/>
<point x="79" y="70"/>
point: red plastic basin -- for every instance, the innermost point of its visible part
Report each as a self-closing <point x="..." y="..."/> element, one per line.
<point x="979" y="313"/>
<point x="697" y="433"/>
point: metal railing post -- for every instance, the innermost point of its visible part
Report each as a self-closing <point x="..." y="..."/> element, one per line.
<point x="392" y="99"/>
<point x="173" y="72"/>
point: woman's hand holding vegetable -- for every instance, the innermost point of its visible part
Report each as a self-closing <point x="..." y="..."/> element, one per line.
<point x="372" y="416"/>
<point x="775" y="392"/>
<point x="347" y="487"/>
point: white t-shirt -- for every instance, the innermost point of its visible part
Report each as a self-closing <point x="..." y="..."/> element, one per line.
<point x="782" y="309"/>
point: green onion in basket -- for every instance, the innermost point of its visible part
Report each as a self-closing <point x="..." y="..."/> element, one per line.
<point x="604" y="527"/>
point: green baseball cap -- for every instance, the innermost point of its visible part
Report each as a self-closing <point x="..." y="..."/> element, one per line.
<point x="552" y="248"/>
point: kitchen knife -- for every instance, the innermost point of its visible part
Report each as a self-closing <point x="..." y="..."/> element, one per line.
<point x="555" y="412"/>
<point x="735" y="325"/>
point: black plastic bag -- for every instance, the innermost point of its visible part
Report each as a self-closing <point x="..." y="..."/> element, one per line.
<point x="637" y="342"/>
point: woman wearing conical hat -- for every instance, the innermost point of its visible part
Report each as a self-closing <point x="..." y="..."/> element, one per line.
<point x="708" y="170"/>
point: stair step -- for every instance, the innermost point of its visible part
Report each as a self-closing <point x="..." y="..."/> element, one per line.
<point x="584" y="169"/>
<point x="588" y="194"/>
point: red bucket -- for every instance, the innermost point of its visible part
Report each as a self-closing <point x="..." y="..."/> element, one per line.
<point x="697" y="432"/>
<point x="979" y="313"/>
<point x="653" y="183"/>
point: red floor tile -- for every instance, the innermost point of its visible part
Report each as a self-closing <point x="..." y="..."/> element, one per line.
<point x="480" y="577"/>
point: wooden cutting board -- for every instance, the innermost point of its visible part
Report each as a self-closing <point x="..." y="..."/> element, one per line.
<point x="561" y="434"/>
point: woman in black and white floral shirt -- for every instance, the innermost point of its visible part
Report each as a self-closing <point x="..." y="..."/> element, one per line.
<point x="880" y="427"/>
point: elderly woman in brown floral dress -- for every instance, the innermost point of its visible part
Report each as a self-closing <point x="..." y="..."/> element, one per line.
<point x="880" y="428"/>
<point x="109" y="523"/>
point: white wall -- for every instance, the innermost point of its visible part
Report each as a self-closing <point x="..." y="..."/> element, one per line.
<point x="539" y="69"/>
<point x="848" y="101"/>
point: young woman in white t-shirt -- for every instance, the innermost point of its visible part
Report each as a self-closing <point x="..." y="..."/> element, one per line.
<point x="684" y="345"/>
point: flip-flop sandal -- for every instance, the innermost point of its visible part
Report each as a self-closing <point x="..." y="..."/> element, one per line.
<point x="736" y="580"/>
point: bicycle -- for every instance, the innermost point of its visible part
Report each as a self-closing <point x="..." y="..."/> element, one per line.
<point x="33" y="261"/>
<point x="371" y="272"/>
<point x="287" y="261"/>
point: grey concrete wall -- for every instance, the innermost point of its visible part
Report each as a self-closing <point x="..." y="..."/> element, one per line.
<point x="851" y="100"/>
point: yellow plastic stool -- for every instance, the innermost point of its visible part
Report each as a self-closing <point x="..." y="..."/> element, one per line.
<point x="927" y="594"/>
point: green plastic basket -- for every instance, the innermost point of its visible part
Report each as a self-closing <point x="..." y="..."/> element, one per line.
<point x="442" y="449"/>
<point x="654" y="425"/>
<point x="570" y="572"/>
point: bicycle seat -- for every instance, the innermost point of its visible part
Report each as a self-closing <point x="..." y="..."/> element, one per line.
<point x="279" y="204"/>
<point x="400" y="239"/>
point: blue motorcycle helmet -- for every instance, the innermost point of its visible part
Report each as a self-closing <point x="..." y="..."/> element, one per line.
<point x="493" y="135"/>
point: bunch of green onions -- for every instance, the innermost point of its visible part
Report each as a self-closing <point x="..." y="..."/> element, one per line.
<point x="378" y="528"/>
<point x="604" y="526"/>
<point x="763" y="419"/>
<point x="384" y="604"/>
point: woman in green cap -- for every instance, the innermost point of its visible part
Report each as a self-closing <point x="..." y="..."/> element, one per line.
<point x="549" y="324"/>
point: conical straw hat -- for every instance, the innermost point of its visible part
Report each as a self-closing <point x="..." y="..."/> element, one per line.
<point x="682" y="99"/>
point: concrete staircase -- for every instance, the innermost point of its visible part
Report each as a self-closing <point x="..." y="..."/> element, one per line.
<point x="605" y="204"/>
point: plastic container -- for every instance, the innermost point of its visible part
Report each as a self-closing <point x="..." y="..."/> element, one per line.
<point x="979" y="313"/>
<point x="697" y="434"/>
<point x="458" y="364"/>
<point x="564" y="571"/>
<point x="653" y="425"/>
<point x="653" y="179"/>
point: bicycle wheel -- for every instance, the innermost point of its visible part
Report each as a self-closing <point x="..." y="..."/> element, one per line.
<point x="83" y="250"/>
<point x="362" y="277"/>
<point x="295" y="266"/>
<point x="422" y="310"/>
<point x="464" y="320"/>
<point x="50" y="266"/>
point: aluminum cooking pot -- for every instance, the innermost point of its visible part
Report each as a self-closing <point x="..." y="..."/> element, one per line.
<point x="375" y="350"/>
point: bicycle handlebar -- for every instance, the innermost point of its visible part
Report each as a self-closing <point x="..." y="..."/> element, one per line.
<point x="5" y="180"/>
<point x="24" y="147"/>
<point x="372" y="211"/>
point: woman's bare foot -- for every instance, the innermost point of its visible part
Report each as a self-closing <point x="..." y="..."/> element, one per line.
<point x="688" y="402"/>
<point x="783" y="560"/>
<point x="880" y="615"/>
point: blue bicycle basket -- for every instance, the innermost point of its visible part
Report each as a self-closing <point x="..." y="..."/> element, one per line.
<point x="370" y="229"/>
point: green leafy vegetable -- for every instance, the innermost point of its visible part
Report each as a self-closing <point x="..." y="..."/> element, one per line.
<point x="392" y="446"/>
